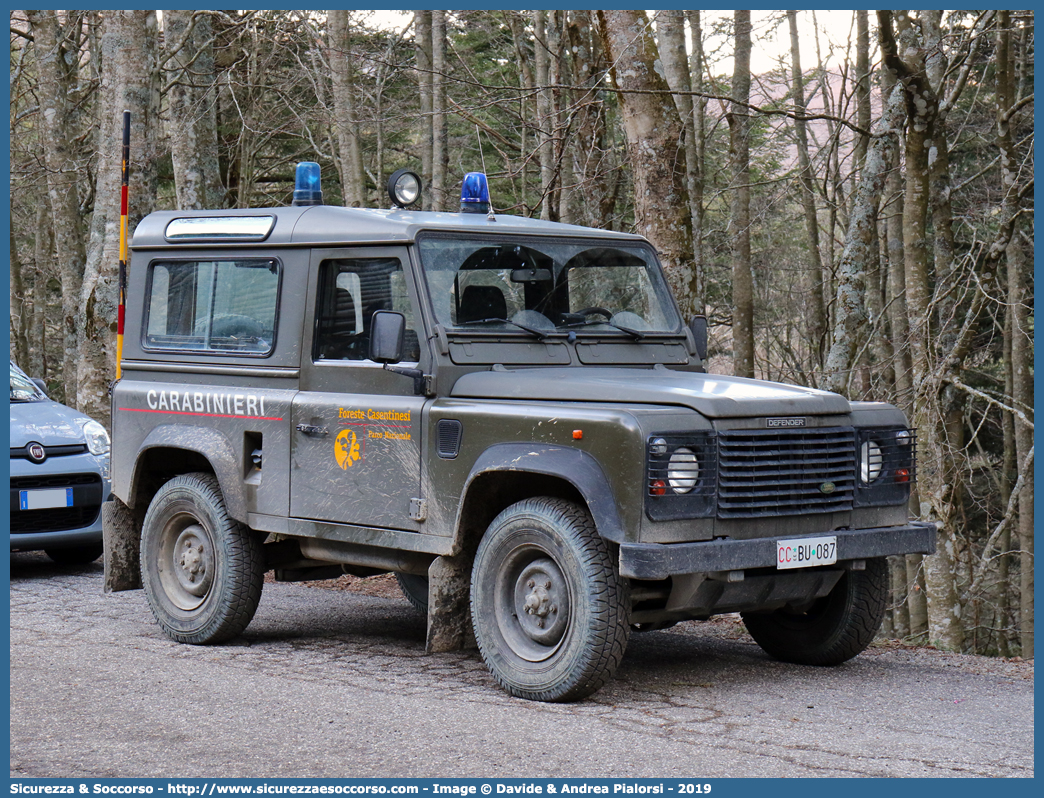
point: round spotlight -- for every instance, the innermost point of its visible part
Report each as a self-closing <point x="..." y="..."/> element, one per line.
<point x="404" y="188"/>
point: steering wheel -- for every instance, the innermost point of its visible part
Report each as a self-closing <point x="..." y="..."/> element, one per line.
<point x="589" y="311"/>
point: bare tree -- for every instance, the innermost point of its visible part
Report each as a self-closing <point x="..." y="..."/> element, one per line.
<point x="739" y="151"/>
<point x="192" y="99"/>
<point x="653" y="130"/>
<point x="130" y="41"/>
<point x="56" y="37"/>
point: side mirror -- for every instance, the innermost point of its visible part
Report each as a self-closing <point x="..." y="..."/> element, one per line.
<point x="698" y="328"/>
<point x="40" y="384"/>
<point x="387" y="336"/>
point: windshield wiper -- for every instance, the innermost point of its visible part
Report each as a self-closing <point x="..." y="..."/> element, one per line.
<point x="541" y="334"/>
<point x="637" y="335"/>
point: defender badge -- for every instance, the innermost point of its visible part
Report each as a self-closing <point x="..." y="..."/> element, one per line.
<point x="346" y="449"/>
<point x="772" y="423"/>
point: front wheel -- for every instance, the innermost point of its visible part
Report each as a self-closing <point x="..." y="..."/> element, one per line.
<point x="75" y="555"/>
<point x="549" y="608"/>
<point x="834" y="629"/>
<point x="202" y="570"/>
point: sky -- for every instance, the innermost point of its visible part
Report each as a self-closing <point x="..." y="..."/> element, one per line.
<point x="771" y="35"/>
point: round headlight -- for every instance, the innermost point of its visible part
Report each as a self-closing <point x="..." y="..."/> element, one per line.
<point x="683" y="470"/>
<point x="97" y="438"/>
<point x="869" y="462"/>
<point x="404" y="188"/>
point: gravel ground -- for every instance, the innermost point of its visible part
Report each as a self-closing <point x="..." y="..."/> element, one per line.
<point x="333" y="681"/>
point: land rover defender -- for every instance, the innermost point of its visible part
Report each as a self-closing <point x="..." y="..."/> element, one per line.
<point x="509" y="414"/>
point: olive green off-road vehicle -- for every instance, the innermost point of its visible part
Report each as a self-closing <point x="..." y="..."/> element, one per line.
<point x="508" y="414"/>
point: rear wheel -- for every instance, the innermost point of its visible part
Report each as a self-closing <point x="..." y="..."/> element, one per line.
<point x="834" y="629"/>
<point x="202" y="570"/>
<point x="75" y="555"/>
<point x="549" y="608"/>
<point x="415" y="589"/>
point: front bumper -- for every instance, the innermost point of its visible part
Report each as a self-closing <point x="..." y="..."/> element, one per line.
<point x="38" y="536"/>
<point x="654" y="561"/>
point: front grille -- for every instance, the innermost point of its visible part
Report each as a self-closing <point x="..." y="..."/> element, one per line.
<point x="54" y="481"/>
<point x="58" y="519"/>
<point x="22" y="452"/>
<point x="87" y="501"/>
<point x="785" y="472"/>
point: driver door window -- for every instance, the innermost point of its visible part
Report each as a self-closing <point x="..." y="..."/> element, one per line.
<point x="350" y="290"/>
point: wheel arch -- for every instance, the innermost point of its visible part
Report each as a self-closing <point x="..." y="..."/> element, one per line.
<point x="170" y="450"/>
<point x="510" y="472"/>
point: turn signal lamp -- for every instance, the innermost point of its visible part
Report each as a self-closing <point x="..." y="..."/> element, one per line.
<point x="307" y="188"/>
<point x="474" y="194"/>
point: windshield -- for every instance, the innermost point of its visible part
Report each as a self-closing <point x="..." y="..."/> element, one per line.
<point x="24" y="389"/>
<point x="543" y="286"/>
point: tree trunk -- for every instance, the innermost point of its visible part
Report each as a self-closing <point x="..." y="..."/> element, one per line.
<point x="700" y="134"/>
<point x="817" y="305"/>
<point x="345" y="119"/>
<point x="422" y="49"/>
<point x="58" y="60"/>
<point x="521" y="43"/>
<point x="129" y="82"/>
<point x="739" y="152"/>
<point x="193" y="111"/>
<point x="934" y="456"/>
<point x="1020" y="303"/>
<point x="21" y="310"/>
<point x="670" y="26"/>
<point x="653" y="130"/>
<point x="440" y="199"/>
<point x="860" y="244"/>
<point x="545" y="154"/>
<point x="43" y="259"/>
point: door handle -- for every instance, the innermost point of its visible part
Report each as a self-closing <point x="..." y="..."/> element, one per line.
<point x="308" y="429"/>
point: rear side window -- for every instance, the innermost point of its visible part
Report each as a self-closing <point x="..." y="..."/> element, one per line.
<point x="221" y="306"/>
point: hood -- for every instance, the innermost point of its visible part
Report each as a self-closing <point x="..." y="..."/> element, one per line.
<point x="712" y="395"/>
<point x="45" y="422"/>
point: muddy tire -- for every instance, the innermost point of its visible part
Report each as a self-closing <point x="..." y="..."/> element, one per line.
<point x="836" y="627"/>
<point x="549" y="608"/>
<point x="202" y="570"/>
<point x="415" y="589"/>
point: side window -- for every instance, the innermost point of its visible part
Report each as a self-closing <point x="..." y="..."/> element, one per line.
<point x="350" y="290"/>
<point x="227" y="307"/>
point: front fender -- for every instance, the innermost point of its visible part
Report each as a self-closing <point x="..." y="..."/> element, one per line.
<point x="214" y="446"/>
<point x="578" y="468"/>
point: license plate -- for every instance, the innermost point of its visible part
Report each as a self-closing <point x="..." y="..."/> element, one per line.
<point x="45" y="499"/>
<point x="806" y="552"/>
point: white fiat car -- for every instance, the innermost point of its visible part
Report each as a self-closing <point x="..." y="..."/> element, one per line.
<point x="59" y="475"/>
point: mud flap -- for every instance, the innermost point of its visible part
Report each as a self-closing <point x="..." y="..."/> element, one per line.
<point x="449" y="605"/>
<point x="121" y="538"/>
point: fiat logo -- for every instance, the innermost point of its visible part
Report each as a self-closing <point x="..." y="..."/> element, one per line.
<point x="36" y="452"/>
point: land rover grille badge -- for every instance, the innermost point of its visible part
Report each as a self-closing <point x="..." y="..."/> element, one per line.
<point x="776" y="423"/>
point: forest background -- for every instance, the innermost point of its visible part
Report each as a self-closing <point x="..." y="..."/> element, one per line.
<point x="858" y="217"/>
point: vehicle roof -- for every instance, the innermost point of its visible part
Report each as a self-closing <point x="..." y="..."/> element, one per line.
<point x="331" y="225"/>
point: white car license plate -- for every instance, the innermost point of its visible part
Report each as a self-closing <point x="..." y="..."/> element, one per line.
<point x="806" y="552"/>
<point x="45" y="499"/>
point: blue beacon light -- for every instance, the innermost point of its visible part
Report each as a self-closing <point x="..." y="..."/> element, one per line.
<point x="474" y="194"/>
<point x="307" y="188"/>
